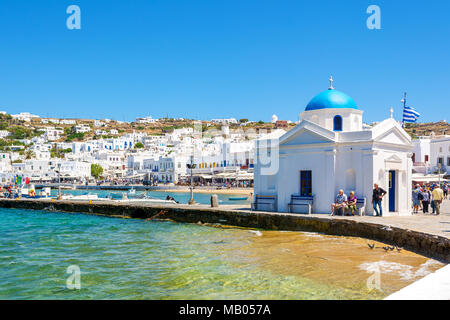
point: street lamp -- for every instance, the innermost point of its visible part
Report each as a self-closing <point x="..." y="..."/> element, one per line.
<point x="59" y="182"/>
<point x="191" y="166"/>
<point x="439" y="173"/>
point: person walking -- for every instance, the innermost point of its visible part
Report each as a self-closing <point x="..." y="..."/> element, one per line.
<point x="438" y="196"/>
<point x="426" y="195"/>
<point x="416" y="197"/>
<point x="445" y="189"/>
<point x="433" y="207"/>
<point x="377" y="197"/>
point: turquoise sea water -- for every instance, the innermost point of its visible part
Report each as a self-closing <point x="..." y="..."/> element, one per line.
<point x="138" y="259"/>
<point x="181" y="197"/>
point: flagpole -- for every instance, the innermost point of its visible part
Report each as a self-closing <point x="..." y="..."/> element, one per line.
<point x="404" y="106"/>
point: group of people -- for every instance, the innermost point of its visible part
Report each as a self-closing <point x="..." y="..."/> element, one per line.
<point x="9" y="191"/>
<point x="429" y="195"/>
<point x="344" y="205"/>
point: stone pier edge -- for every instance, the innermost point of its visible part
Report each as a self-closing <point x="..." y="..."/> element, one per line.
<point x="428" y="245"/>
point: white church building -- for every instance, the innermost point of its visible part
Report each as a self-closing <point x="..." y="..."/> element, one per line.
<point x="328" y="150"/>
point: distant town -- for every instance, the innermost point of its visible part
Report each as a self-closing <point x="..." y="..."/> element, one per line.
<point x="155" y="151"/>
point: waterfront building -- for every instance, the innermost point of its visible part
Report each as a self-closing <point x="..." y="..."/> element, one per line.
<point x="45" y="170"/>
<point x="330" y="150"/>
<point x="114" y="164"/>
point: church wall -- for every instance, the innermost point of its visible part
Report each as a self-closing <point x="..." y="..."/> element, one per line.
<point x="322" y="165"/>
<point x="264" y="184"/>
<point x="351" y="118"/>
<point x="403" y="168"/>
<point x="352" y="170"/>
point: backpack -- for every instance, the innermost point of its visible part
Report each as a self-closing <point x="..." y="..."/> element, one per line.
<point x="420" y="196"/>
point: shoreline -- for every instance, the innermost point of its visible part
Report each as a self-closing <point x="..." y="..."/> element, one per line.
<point x="236" y="191"/>
<point x="174" y="189"/>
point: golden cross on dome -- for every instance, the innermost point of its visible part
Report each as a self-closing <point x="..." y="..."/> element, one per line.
<point x="331" y="83"/>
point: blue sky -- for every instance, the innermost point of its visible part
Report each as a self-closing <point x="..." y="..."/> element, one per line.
<point x="206" y="59"/>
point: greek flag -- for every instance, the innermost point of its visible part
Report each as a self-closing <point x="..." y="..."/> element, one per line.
<point x="410" y="114"/>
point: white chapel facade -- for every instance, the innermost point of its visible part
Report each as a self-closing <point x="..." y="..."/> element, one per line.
<point x="330" y="150"/>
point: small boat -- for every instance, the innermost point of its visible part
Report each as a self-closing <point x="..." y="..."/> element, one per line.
<point x="237" y="198"/>
<point x="83" y="197"/>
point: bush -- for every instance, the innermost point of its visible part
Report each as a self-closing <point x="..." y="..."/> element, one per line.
<point x="139" y="145"/>
<point x="96" y="170"/>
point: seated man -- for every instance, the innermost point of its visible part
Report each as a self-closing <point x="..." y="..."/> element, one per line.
<point x="351" y="203"/>
<point x="339" y="203"/>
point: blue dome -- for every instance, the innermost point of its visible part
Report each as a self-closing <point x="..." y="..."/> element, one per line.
<point x="331" y="99"/>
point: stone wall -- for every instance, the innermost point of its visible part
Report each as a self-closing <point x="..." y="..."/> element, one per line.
<point x="432" y="246"/>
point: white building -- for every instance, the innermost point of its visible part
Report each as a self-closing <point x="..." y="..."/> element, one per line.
<point x="68" y="121"/>
<point x="440" y="153"/>
<point x="99" y="123"/>
<point x="82" y="128"/>
<point x="25" y="116"/>
<point x="329" y="150"/>
<point x="41" y="170"/>
<point x="225" y="121"/>
<point x="52" y="133"/>
<point x="146" y="120"/>
<point x="4" y="134"/>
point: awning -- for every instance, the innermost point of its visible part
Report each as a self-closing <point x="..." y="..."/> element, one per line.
<point x="236" y="176"/>
<point x="417" y="177"/>
<point x="204" y="176"/>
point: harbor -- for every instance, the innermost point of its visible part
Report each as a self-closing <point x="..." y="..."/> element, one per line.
<point x="277" y="247"/>
<point x="424" y="235"/>
<point x="213" y="151"/>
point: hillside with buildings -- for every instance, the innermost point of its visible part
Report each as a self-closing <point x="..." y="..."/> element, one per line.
<point x="426" y="129"/>
<point x="147" y="149"/>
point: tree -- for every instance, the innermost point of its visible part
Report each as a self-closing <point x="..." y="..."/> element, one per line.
<point x="243" y="120"/>
<point x="29" y="154"/>
<point x="139" y="145"/>
<point x="96" y="170"/>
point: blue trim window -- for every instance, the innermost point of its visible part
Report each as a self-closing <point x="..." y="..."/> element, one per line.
<point x="306" y="183"/>
<point x="337" y="123"/>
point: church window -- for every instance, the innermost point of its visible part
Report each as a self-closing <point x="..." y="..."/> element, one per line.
<point x="306" y="183"/>
<point x="337" y="123"/>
